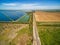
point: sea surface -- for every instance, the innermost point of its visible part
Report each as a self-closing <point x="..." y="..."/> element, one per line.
<point x="10" y="15"/>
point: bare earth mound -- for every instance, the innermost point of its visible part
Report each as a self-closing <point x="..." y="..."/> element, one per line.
<point x="47" y="16"/>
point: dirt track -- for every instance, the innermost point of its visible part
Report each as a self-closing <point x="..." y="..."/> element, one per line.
<point x="47" y="16"/>
<point x="36" y="40"/>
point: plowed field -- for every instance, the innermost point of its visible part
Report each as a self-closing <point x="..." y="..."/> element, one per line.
<point x="47" y="16"/>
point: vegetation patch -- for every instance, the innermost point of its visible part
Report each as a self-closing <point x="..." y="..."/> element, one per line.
<point x="24" y="19"/>
<point x="23" y="38"/>
<point x="49" y="35"/>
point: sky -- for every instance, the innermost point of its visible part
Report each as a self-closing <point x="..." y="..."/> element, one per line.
<point x="29" y="4"/>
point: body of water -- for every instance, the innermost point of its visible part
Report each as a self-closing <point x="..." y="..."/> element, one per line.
<point x="10" y="15"/>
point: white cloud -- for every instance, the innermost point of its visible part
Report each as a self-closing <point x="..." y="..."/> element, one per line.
<point x="27" y="6"/>
<point x="37" y="6"/>
<point x="9" y="4"/>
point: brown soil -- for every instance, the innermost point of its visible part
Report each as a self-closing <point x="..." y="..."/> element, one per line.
<point x="47" y="16"/>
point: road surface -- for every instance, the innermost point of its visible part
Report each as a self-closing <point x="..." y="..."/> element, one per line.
<point x="36" y="39"/>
